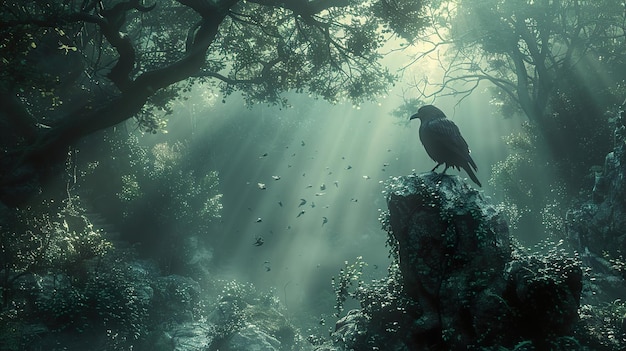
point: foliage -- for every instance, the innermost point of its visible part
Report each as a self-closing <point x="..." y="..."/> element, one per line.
<point x="108" y="298"/>
<point x="177" y="299"/>
<point x="144" y="188"/>
<point x="384" y="303"/>
<point x="52" y="236"/>
<point x="388" y="311"/>
<point x="261" y="48"/>
<point x="79" y="281"/>
<point x="552" y="259"/>
<point x="58" y="267"/>
<point x="231" y="308"/>
<point x="527" y="50"/>
<point x="617" y="263"/>
<point x="602" y="327"/>
<point x="407" y="109"/>
<point x="238" y="305"/>
<point x="194" y="196"/>
<point x="533" y="201"/>
<point x="42" y="245"/>
<point x="121" y="303"/>
<point x="75" y="68"/>
<point x="56" y="239"/>
<point x="342" y="285"/>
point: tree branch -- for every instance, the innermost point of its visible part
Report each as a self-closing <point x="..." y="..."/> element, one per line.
<point x="115" y="19"/>
<point x="124" y="106"/>
<point x="304" y="8"/>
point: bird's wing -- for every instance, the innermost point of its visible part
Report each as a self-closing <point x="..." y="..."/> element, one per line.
<point x="450" y="138"/>
<point x="445" y="131"/>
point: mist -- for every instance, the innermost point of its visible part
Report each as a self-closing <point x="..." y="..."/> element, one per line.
<point x="307" y="182"/>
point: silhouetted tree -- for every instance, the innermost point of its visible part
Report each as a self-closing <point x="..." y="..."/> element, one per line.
<point x="560" y="63"/>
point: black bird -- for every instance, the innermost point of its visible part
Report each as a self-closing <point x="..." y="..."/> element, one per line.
<point x="443" y="141"/>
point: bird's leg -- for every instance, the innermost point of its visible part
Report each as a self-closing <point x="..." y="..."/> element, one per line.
<point x="437" y="166"/>
<point x="440" y="175"/>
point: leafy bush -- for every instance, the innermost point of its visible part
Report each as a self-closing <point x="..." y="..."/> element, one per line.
<point x="347" y="278"/>
<point x="154" y="193"/>
<point x="112" y="298"/>
<point x="240" y="304"/>
<point x="603" y="327"/>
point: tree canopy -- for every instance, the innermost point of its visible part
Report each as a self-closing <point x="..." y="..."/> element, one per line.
<point x="525" y="48"/>
<point x="70" y="68"/>
<point x="558" y="63"/>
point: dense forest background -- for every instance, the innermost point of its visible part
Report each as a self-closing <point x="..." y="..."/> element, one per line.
<point x="207" y="149"/>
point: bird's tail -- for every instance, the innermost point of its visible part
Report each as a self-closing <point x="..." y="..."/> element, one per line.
<point x="470" y="160"/>
<point x="470" y="172"/>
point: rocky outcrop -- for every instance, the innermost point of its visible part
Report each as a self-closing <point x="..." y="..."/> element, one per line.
<point x="463" y="285"/>
<point x="598" y="227"/>
<point x="193" y="336"/>
<point x="252" y="338"/>
<point x="453" y="247"/>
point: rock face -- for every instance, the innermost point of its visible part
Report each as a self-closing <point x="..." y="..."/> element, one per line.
<point x="597" y="229"/>
<point x="251" y="338"/>
<point x="599" y="226"/>
<point x="453" y="247"/>
<point x="463" y="286"/>
<point x="190" y="336"/>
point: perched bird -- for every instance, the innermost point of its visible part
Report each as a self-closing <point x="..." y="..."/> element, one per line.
<point x="443" y="141"/>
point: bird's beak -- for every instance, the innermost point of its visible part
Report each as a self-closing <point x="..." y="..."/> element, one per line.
<point x="414" y="116"/>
